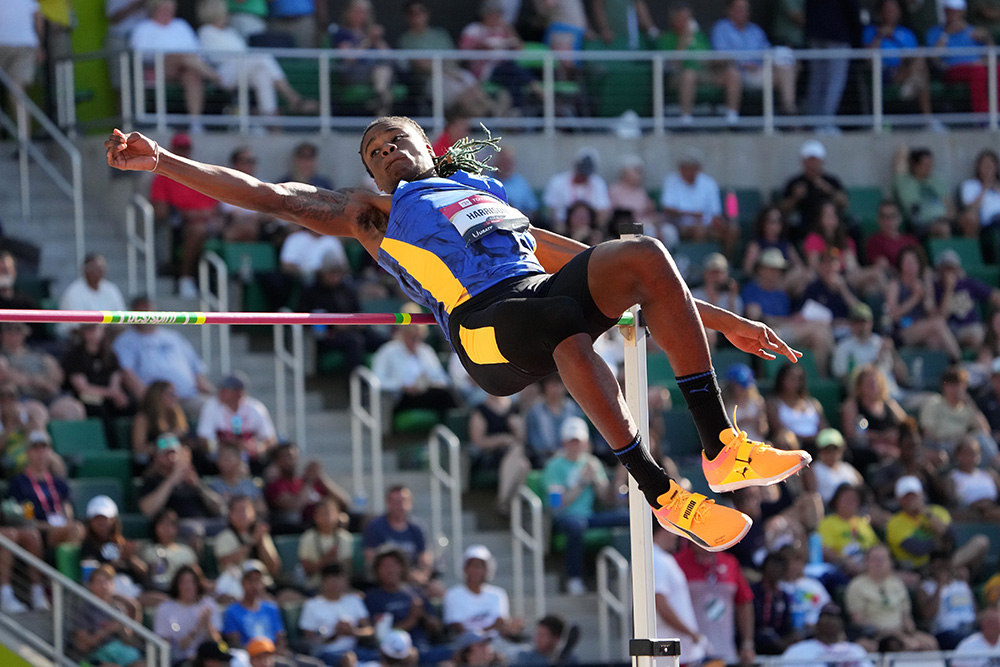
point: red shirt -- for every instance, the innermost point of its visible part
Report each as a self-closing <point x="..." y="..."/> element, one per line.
<point x="179" y="196"/>
<point x="292" y="485"/>
<point x="882" y="245"/>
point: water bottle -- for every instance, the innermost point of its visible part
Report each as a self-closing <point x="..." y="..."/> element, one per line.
<point x="815" y="549"/>
<point x="360" y="502"/>
<point x="732" y="205"/>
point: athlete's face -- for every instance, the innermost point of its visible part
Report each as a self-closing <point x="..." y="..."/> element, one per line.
<point x="395" y="152"/>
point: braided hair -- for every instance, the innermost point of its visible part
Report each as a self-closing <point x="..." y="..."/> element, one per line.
<point x="461" y="155"/>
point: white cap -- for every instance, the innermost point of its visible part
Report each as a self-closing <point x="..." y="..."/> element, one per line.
<point x="397" y="645"/>
<point x="574" y="428"/>
<point x="813" y="148"/>
<point x="102" y="506"/>
<point x="477" y="551"/>
<point x="955" y="4"/>
<point x="908" y="484"/>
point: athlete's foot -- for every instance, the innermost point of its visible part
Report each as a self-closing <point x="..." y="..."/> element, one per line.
<point x="712" y="527"/>
<point x="744" y="462"/>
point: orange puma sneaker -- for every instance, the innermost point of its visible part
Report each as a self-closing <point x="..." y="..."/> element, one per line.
<point x="712" y="527"/>
<point x="743" y="462"/>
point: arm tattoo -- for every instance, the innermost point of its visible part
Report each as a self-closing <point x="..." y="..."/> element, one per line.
<point x="330" y="209"/>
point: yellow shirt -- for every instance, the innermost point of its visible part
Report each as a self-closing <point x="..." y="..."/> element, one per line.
<point x="885" y="605"/>
<point x="902" y="527"/>
<point x="848" y="537"/>
<point x="56" y="11"/>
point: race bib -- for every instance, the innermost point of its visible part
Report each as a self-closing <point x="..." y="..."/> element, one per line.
<point x="476" y="215"/>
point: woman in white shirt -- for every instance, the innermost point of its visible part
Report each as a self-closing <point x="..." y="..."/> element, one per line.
<point x="975" y="491"/>
<point x="980" y="195"/>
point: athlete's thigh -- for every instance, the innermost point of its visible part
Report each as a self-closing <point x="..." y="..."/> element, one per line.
<point x="617" y="270"/>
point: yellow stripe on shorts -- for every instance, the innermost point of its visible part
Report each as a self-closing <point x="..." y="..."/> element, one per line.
<point x="481" y="345"/>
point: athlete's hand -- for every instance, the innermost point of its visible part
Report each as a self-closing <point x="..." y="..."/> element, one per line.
<point x="132" y="151"/>
<point x="759" y="339"/>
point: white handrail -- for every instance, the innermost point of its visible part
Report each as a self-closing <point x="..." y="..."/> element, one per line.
<point x="532" y="540"/>
<point x="367" y="419"/>
<point x="290" y="361"/>
<point x="137" y="244"/>
<point x="609" y="603"/>
<point x="450" y="480"/>
<point x="210" y="263"/>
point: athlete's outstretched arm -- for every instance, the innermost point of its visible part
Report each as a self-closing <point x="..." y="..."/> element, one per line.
<point x="748" y="335"/>
<point x="554" y="250"/>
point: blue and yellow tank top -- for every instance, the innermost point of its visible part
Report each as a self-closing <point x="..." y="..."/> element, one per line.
<point x="448" y="239"/>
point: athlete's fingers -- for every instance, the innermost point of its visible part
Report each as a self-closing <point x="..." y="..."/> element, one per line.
<point x="780" y="346"/>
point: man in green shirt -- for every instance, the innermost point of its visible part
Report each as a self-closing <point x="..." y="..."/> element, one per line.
<point x="922" y="195"/>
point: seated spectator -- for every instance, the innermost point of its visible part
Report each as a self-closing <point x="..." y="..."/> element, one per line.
<point x="242" y="224"/>
<point x="104" y="544"/>
<point x="190" y="617"/>
<point x="172" y="481"/>
<point x="975" y="491"/>
<point x="327" y="542"/>
<point x="808" y="595"/>
<point x="770" y="232"/>
<point x="457" y="126"/>
<point x="305" y="23"/>
<point x="882" y="248"/>
<point x="795" y="416"/>
<point x="982" y="647"/>
<point x="148" y="352"/>
<point x="988" y="397"/>
<point x="581" y="183"/>
<point x="736" y="32"/>
<point x="958" y="297"/>
<point x="496" y="439"/>
<point x="91" y="291"/>
<point x="827" y="645"/>
<point x="914" y="459"/>
<point x="47" y="492"/>
<point x="475" y="648"/>
<point x="292" y="497"/>
<point x="979" y="196"/>
<point x="629" y="193"/>
<point x="13" y="299"/>
<point x="740" y="391"/>
<point x="717" y="286"/>
<point x="234" y="478"/>
<point x="335" y="620"/>
<point x="847" y="535"/>
<point x="164" y="555"/>
<point x="20" y="421"/>
<point x="909" y="73"/>
<point x="879" y="604"/>
<point x="623" y="24"/>
<point x="806" y="192"/>
<point x="159" y="414"/>
<point x="396" y="527"/>
<point x="37" y="374"/>
<point x="235" y="417"/>
<point x="955" y="32"/>
<point x="410" y="369"/>
<point x="691" y="200"/>
<point x="772" y="609"/>
<point x="831" y="471"/>
<point x="831" y="291"/>
<point x="163" y="31"/>
<point x="830" y="238"/>
<point x="576" y="481"/>
<point x="520" y="194"/>
<point x="675" y="616"/>
<point x="779" y="517"/>
<point x="245" y="537"/>
<point x="950" y="416"/>
<point x="945" y="603"/>
<point x="192" y="216"/>
<point x="476" y="604"/>
<point x="909" y="302"/>
<point x="871" y="417"/>
<point x="99" y="638"/>
<point x="865" y="347"/>
<point x="302" y="168"/>
<point x="545" y="648"/>
<point x="358" y="30"/>
<point x="493" y="33"/>
<point x="582" y="225"/>
<point x="545" y="418"/>
<point x="923" y="196"/>
<point x="95" y="378"/>
<point x="684" y="34"/>
<point x="254" y="615"/>
<point x="28" y="538"/>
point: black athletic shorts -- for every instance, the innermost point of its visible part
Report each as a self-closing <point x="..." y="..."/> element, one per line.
<point x="505" y="336"/>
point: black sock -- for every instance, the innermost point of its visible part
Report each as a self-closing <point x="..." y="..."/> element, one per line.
<point x="704" y="400"/>
<point x="652" y="481"/>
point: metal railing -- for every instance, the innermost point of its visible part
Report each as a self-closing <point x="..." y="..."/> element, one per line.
<point x="211" y="265"/>
<point x="290" y="360"/>
<point x="51" y="636"/>
<point x="140" y="244"/>
<point x="608" y="603"/>
<point x="21" y="128"/>
<point x="366" y="418"/>
<point x="532" y="540"/>
<point x="449" y="480"/>
<point x="901" y="659"/>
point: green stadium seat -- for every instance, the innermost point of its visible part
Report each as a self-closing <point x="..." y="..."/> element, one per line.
<point x="967" y="529"/>
<point x="414" y="421"/>
<point x="457" y="421"/>
<point x="136" y="526"/>
<point x="77" y="437"/>
<point x="290" y="615"/>
<point x="115" y="463"/>
<point x="68" y="560"/>
<point x="862" y="204"/>
<point x="262" y="256"/>
<point x="750" y="201"/>
<point x="38" y="288"/>
<point x="122" y="433"/>
<point x="536" y="485"/>
<point x="682" y="440"/>
<point x="969" y="250"/>
<point x="726" y="357"/>
<point x="925" y="374"/>
<point x="827" y="391"/>
<point x="287" y="547"/>
<point x="695" y="252"/>
<point x="82" y="490"/>
<point x="808" y="362"/>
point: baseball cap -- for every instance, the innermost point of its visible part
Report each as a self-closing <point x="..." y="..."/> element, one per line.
<point x="587" y="160"/>
<point x="214" y="651"/>
<point x="167" y="441"/>
<point x="772" y="259"/>
<point x="860" y="312"/>
<point x="812" y="148"/>
<point x="741" y="375"/>
<point x="690" y="156"/>
<point x="949" y="257"/>
<point x="102" y="506"/>
<point x="574" y="428"/>
<point x="908" y="484"/>
<point x="254" y="565"/>
<point x="471" y="637"/>
<point x="181" y="140"/>
<point x="477" y="551"/>
<point x="233" y="382"/>
<point x="260" y="646"/>
<point x="38" y="437"/>
<point x="955" y="4"/>
<point x="829" y="437"/>
<point x="396" y="645"/>
<point x="716" y="261"/>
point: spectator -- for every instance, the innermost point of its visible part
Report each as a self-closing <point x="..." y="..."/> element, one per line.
<point x="722" y="601"/>
<point x="254" y="615"/>
<point x="302" y="168"/>
<point x="476" y="605"/>
<point x="493" y="33"/>
<point x="717" y="286"/>
<point x="245" y="538"/>
<point x="827" y="645"/>
<point x="304" y="20"/>
<point x="410" y="369"/>
<point x="945" y="603"/>
<point x="979" y="196"/>
<point x="565" y="25"/>
<point x="984" y="646"/>
<point x="545" y="647"/>
<point x="957" y="296"/>
<point x="21" y="44"/>
<point x="28" y="538"/>
<point x="675" y="615"/>
<point x="242" y="224"/>
<point x="914" y="459"/>
<point x="105" y="545"/>
<point x="909" y="73"/>
<point x="830" y="290"/>
<point x="740" y="391"/>
<point x="736" y="32"/>
<point x="882" y="248"/>
<point x="830" y="24"/>
<point x="192" y="216"/>
<point x="358" y="30"/>
<point x="871" y="417"/>
<point x="955" y="32"/>
<point x="335" y="620"/>
<point x="830" y="237"/>
<point x="13" y="299"/>
<point x="95" y="378"/>
<point x="327" y="542"/>
<point x="159" y="414"/>
<point x="234" y="478"/>
<point x="496" y="438"/>
<point x="190" y="617"/>
<point x="396" y="527"/>
<point x="582" y="224"/>
<point x="292" y="497"/>
<point x="214" y="654"/>
<point x="576" y="481"/>
<point x="629" y="193"/>
<point x="475" y="649"/>
<point x="625" y="24"/>
<point x="831" y="471"/>
<point x="805" y="193"/>
<point x="910" y="304"/>
<point x="520" y="194"/>
<point x="789" y="21"/>
<point x="122" y="16"/>
<point x="779" y="518"/>
<point x="164" y="555"/>
<point x="228" y="53"/>
<point x="808" y="595"/>
<point x="92" y="291"/>
<point x="975" y="491"/>
<point x="794" y="415"/>
<point x="922" y="195"/>
<point x="772" y="608"/>
<point x="235" y="417"/>
<point x="303" y="252"/>
<point x="988" y="398"/>
<point x="37" y="374"/>
<point x="581" y="183"/>
<point x="847" y="535"/>
<point x="948" y="417"/>
<point x="20" y="420"/>
<point x="172" y="481"/>
<point x="691" y="200"/>
<point x="684" y="34"/>
<point x="99" y="638"/>
<point x="879" y="604"/>
<point x="770" y="231"/>
<point x="864" y="347"/>
<point x="163" y="31"/>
